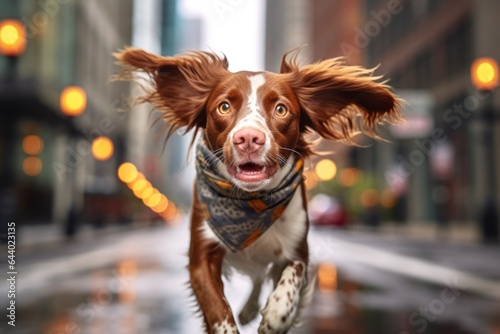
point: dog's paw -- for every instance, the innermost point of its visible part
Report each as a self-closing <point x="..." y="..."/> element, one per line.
<point x="225" y="328"/>
<point x="282" y="305"/>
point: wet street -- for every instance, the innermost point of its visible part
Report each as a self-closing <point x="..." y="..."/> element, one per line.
<point x="135" y="282"/>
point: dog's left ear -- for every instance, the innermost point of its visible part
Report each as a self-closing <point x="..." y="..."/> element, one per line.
<point x="177" y="86"/>
<point x="332" y="95"/>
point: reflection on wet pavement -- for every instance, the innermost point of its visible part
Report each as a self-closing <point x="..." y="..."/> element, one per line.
<point x="125" y="299"/>
<point x="343" y="305"/>
<point x="136" y="283"/>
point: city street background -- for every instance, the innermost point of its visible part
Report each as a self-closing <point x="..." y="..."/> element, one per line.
<point x="405" y="232"/>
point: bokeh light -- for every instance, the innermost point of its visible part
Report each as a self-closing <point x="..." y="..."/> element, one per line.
<point x="162" y="205"/>
<point x="484" y="73"/>
<point x="170" y="212"/>
<point x="12" y="37"/>
<point x="146" y="193"/>
<point x="32" y="166"/>
<point x="127" y="172"/>
<point x="32" y="145"/>
<point x="139" y="184"/>
<point x="326" y="170"/>
<point x="153" y="200"/>
<point x="327" y="277"/>
<point x="369" y="198"/>
<point x="348" y="177"/>
<point x="388" y="199"/>
<point x="73" y="101"/>
<point x="138" y="192"/>
<point x="311" y="179"/>
<point x="102" y="148"/>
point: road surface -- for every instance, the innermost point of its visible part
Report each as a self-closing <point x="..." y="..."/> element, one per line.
<point x="135" y="282"/>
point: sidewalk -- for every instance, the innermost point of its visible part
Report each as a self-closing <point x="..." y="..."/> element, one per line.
<point x="50" y="235"/>
<point x="461" y="232"/>
<point x="33" y="237"/>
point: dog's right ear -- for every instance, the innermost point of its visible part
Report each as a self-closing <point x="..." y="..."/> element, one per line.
<point x="178" y="86"/>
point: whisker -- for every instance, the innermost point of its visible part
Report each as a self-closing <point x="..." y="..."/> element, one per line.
<point x="283" y="160"/>
<point x="215" y="156"/>
<point x="293" y="151"/>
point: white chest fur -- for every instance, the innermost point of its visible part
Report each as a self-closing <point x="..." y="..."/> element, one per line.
<point x="277" y="244"/>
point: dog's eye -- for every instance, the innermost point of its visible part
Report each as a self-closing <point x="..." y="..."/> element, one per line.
<point x="224" y="108"/>
<point x="281" y="110"/>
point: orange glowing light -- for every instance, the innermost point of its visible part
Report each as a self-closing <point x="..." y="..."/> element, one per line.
<point x="369" y="198"/>
<point x="326" y="170"/>
<point x="327" y="277"/>
<point x="139" y="177"/>
<point x="153" y="200"/>
<point x="127" y="271"/>
<point x="348" y="177"/>
<point x="139" y="192"/>
<point x="127" y="268"/>
<point x="73" y="101"/>
<point x="161" y="206"/>
<point x="484" y="73"/>
<point x="170" y="212"/>
<point x="146" y="193"/>
<point x="32" y="166"/>
<point x="32" y="145"/>
<point x="388" y="199"/>
<point x="102" y="148"/>
<point x="311" y="179"/>
<point x="145" y="199"/>
<point x="12" y="38"/>
<point x="127" y="172"/>
<point x="139" y="184"/>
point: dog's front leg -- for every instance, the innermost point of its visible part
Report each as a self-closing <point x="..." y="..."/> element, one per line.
<point x="205" y="269"/>
<point x="284" y="302"/>
<point x="206" y="281"/>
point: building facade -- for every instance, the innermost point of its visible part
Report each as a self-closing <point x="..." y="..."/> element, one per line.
<point x="429" y="46"/>
<point x="69" y="43"/>
<point x="441" y="167"/>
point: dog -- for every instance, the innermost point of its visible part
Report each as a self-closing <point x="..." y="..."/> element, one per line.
<point x="249" y="210"/>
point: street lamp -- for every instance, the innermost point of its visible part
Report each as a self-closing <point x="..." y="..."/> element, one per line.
<point x="12" y="38"/>
<point x="484" y="76"/>
<point x="12" y="45"/>
<point x="484" y="73"/>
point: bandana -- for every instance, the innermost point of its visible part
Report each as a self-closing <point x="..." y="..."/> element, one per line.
<point x="238" y="217"/>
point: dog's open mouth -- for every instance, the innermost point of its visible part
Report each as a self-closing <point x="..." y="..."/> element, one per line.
<point x="252" y="172"/>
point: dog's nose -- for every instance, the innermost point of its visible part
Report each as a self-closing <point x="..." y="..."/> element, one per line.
<point x="248" y="139"/>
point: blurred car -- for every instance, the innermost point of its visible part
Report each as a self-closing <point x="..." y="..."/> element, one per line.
<point x="326" y="210"/>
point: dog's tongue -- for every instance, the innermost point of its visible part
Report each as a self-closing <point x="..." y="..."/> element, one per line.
<point x="250" y="167"/>
<point x="251" y="172"/>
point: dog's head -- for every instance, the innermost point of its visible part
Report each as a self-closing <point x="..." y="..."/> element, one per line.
<point x="256" y="121"/>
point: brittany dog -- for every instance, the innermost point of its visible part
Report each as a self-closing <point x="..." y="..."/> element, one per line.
<point x="249" y="209"/>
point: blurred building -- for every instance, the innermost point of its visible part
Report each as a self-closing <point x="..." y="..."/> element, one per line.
<point x="287" y="28"/>
<point x="69" y="43"/>
<point x="436" y="168"/>
<point x="427" y="47"/>
<point x="158" y="28"/>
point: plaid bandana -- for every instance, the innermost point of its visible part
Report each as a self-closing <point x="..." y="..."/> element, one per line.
<point x="237" y="217"/>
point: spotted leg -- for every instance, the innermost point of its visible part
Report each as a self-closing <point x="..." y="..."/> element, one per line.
<point x="284" y="302"/>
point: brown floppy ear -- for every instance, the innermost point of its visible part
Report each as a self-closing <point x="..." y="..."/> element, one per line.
<point x="333" y="95"/>
<point x="177" y="86"/>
